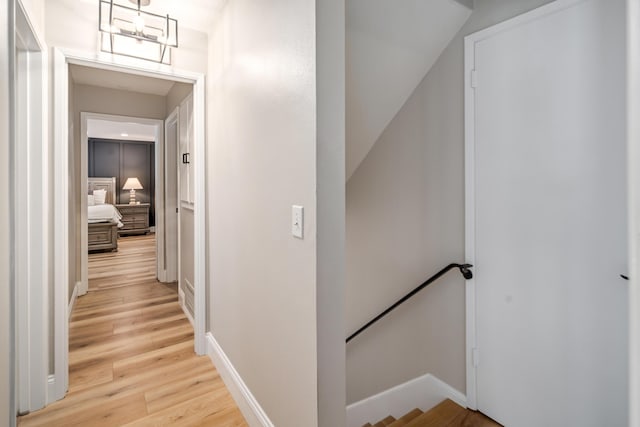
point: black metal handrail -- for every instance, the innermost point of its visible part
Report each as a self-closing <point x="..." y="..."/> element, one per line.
<point x="464" y="269"/>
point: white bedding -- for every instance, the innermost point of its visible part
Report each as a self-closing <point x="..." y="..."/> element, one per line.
<point x="104" y="213"/>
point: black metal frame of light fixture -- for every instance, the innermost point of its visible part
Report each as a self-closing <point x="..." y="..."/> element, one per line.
<point x="135" y="35"/>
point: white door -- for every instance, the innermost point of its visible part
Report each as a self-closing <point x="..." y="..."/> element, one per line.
<point x="546" y="216"/>
<point x="170" y="252"/>
<point x="186" y="271"/>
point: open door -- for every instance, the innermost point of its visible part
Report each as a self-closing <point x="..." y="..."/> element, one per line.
<point x="186" y="271"/>
<point x="170" y="255"/>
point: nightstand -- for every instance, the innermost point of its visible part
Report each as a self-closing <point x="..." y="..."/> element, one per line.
<point x="135" y="218"/>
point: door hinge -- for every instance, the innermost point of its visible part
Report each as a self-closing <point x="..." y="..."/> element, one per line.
<point x="474" y="79"/>
<point x="475" y="357"/>
<point x="177" y="210"/>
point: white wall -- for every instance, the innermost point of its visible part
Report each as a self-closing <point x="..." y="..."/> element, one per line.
<point x="74" y="24"/>
<point x="389" y="50"/>
<point x="7" y="408"/>
<point x="405" y="221"/>
<point x="35" y="10"/>
<point x="177" y="93"/>
<point x="263" y="157"/>
<point x="93" y="99"/>
<point x="330" y="163"/>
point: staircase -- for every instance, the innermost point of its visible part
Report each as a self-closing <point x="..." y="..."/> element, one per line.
<point x="445" y="414"/>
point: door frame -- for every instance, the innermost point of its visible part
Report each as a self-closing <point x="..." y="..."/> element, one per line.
<point x="62" y="58"/>
<point x="84" y="175"/>
<point x="29" y="201"/>
<point x="469" y="160"/>
<point x="633" y="185"/>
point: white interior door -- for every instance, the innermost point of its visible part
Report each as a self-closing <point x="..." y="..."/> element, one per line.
<point x="170" y="261"/>
<point x="186" y="224"/>
<point x="546" y="216"/>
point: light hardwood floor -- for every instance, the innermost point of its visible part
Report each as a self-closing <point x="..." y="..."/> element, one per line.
<point x="131" y="359"/>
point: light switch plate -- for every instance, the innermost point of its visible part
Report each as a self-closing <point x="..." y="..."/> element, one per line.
<point x="297" y="221"/>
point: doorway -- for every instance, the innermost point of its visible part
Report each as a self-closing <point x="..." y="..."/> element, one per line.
<point x="61" y="62"/>
<point x="546" y="217"/>
<point x="110" y="131"/>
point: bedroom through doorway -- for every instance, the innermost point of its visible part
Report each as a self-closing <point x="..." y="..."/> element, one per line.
<point x="125" y="151"/>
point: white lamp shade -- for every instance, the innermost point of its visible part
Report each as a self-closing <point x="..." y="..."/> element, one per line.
<point x="132" y="184"/>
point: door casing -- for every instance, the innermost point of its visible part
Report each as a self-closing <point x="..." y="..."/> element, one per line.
<point x="61" y="60"/>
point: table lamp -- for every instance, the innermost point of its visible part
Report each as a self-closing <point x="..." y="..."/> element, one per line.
<point x="132" y="184"/>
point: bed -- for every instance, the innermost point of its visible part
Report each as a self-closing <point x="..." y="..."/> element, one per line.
<point x="103" y="218"/>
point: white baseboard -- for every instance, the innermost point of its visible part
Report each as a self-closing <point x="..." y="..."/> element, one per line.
<point x="184" y="307"/>
<point x="51" y="389"/>
<point x="423" y="392"/>
<point x="74" y="297"/>
<point x="249" y="406"/>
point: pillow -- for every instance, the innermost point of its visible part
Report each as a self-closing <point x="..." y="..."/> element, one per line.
<point x="99" y="196"/>
<point x="91" y="201"/>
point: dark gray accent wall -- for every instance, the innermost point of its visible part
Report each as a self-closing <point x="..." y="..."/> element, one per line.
<point x="125" y="159"/>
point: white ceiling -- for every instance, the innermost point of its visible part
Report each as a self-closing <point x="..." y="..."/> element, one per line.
<point x="117" y="80"/>
<point x="118" y="130"/>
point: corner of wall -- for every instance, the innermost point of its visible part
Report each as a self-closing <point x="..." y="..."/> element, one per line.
<point x="246" y="401"/>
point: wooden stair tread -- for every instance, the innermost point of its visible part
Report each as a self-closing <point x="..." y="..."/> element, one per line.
<point x="405" y="419"/>
<point x="384" y="423"/>
<point x="439" y="416"/>
<point x="472" y="419"/>
<point x="446" y="414"/>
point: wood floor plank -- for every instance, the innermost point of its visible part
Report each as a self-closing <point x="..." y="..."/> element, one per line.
<point x="211" y="409"/>
<point x="182" y="391"/>
<point x="143" y="322"/>
<point x="131" y="358"/>
<point x="156" y="359"/>
<point x="90" y="376"/>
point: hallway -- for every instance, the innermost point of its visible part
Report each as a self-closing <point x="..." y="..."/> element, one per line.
<point x="131" y="359"/>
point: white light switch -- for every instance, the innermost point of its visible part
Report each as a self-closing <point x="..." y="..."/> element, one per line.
<point x="297" y="220"/>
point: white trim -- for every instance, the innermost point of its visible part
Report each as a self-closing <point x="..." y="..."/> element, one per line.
<point x="188" y="206"/>
<point x="31" y="213"/>
<point x="61" y="60"/>
<point x="199" y="227"/>
<point x="61" y="223"/>
<point x="469" y="136"/>
<point x="633" y="188"/>
<point x="181" y="301"/>
<point x="423" y="392"/>
<point x="74" y="298"/>
<point x="84" y="173"/>
<point x="246" y="401"/>
<point x="51" y="386"/>
<point x="469" y="221"/>
<point x="171" y="220"/>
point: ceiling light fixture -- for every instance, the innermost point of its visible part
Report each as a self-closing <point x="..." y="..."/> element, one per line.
<point x="137" y="33"/>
